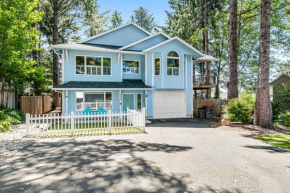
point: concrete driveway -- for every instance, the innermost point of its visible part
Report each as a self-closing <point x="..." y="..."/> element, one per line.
<point x="174" y="156"/>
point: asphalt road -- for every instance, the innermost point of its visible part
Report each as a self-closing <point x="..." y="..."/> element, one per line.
<point x="174" y="156"/>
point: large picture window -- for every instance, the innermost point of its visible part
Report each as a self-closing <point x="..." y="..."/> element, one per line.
<point x="173" y="63"/>
<point x="93" y="65"/>
<point x="130" y="67"/>
<point x="93" y="100"/>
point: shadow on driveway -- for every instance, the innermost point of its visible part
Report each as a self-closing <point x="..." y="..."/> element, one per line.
<point x="269" y="149"/>
<point x="185" y="122"/>
<point x="98" y="166"/>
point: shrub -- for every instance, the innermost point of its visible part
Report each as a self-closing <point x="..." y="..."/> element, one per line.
<point x="285" y="117"/>
<point x="240" y="109"/>
<point x="9" y="117"/>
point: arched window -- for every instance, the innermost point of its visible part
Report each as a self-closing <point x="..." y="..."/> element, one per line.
<point x="173" y="63"/>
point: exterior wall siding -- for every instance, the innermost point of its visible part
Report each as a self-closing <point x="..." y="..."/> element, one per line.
<point x="70" y="67"/>
<point x="148" y="43"/>
<point x="121" y="37"/>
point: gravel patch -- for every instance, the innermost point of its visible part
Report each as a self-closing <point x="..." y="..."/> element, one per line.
<point x="12" y="141"/>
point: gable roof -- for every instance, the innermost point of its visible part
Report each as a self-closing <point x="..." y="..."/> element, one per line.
<point x="144" y="39"/>
<point x="279" y="77"/>
<point x="114" y="29"/>
<point x="175" y="38"/>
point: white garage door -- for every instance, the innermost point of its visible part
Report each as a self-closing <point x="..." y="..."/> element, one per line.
<point x="169" y="104"/>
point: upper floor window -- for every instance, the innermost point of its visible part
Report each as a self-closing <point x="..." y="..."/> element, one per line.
<point x="173" y="63"/>
<point x="157" y="66"/>
<point x="93" y="65"/>
<point x="130" y="67"/>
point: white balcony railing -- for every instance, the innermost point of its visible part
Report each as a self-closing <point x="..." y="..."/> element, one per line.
<point x="94" y="105"/>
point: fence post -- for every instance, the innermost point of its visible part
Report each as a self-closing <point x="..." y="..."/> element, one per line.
<point x="110" y="121"/>
<point x="72" y="122"/>
<point x="144" y="118"/>
<point x="27" y="124"/>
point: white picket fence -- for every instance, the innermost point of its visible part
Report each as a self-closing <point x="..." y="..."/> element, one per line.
<point x="82" y="124"/>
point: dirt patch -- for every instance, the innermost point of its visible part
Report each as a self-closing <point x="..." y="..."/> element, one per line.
<point x="252" y="130"/>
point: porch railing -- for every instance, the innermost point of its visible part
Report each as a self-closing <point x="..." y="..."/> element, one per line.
<point x="94" y="105"/>
<point x="204" y="80"/>
<point x="82" y="124"/>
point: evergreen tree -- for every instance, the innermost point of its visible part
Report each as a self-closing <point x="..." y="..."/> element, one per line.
<point x="145" y="20"/>
<point x="116" y="19"/>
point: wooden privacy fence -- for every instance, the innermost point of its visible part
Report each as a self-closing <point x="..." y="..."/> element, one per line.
<point x="7" y="99"/>
<point x="35" y="105"/>
<point x="218" y="104"/>
<point x="85" y="124"/>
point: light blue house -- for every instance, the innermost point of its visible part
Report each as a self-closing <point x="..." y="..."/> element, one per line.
<point x="129" y="67"/>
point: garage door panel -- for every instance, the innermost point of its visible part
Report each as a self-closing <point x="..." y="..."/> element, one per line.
<point x="169" y="104"/>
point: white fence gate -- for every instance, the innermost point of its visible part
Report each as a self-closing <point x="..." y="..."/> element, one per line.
<point x="84" y="124"/>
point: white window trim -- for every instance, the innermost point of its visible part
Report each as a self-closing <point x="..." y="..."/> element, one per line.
<point x="172" y="57"/>
<point x="139" y="67"/>
<point x="85" y="57"/>
<point x="137" y="101"/>
<point x="159" y="66"/>
<point x="92" y="92"/>
<point x="133" y="100"/>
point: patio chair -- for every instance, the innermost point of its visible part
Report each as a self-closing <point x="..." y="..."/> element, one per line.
<point x="101" y="111"/>
<point x="88" y="111"/>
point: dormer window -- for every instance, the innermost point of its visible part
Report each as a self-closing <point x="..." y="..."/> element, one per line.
<point x="173" y="63"/>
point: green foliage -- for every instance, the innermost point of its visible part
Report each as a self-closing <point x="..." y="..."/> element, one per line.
<point x="18" y="37"/>
<point x="116" y="19"/>
<point x="281" y="97"/>
<point x="285" y="117"/>
<point x="240" y="109"/>
<point x="142" y="18"/>
<point x="9" y="117"/>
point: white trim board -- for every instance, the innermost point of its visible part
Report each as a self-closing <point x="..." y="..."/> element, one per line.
<point x="114" y="29"/>
<point x="105" y="89"/>
<point x="144" y="39"/>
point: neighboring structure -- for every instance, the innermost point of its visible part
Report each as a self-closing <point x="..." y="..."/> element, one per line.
<point x="129" y="67"/>
<point x="282" y="79"/>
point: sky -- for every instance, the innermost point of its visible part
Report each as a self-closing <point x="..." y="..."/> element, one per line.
<point x="157" y="7"/>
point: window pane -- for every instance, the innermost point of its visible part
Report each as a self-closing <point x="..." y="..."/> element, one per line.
<point x="108" y="96"/>
<point x="79" y="100"/>
<point x="139" y="101"/>
<point x="107" y="66"/>
<point x="172" y="62"/>
<point x="130" y="67"/>
<point x="169" y="71"/>
<point x="80" y="65"/>
<point x="173" y="54"/>
<point x="175" y="71"/>
<point x="93" y="64"/>
<point x="93" y="97"/>
<point x="157" y="66"/>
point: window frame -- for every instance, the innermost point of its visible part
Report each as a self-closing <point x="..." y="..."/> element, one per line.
<point x="85" y="60"/>
<point x="159" y="66"/>
<point x="137" y="101"/>
<point x="92" y="92"/>
<point x="172" y="57"/>
<point x="139" y="67"/>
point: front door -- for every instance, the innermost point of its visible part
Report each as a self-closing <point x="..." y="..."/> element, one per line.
<point x="128" y="101"/>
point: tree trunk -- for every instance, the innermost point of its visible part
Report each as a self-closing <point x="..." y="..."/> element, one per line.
<point x="55" y="68"/>
<point x="233" y="52"/>
<point x="263" y="110"/>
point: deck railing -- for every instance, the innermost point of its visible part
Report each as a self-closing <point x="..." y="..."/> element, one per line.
<point x="83" y="124"/>
<point x="94" y="105"/>
<point x="204" y="80"/>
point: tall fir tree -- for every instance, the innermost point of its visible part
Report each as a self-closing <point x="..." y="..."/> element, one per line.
<point x="116" y="19"/>
<point x="145" y="20"/>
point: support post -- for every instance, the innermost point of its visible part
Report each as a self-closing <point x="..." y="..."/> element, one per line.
<point x="72" y="122"/>
<point x="144" y="119"/>
<point x="27" y="124"/>
<point x="110" y="121"/>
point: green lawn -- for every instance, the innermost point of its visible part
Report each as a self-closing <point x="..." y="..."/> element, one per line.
<point x="281" y="140"/>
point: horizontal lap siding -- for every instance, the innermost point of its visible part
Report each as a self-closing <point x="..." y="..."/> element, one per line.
<point x="149" y="103"/>
<point x="120" y="37"/>
<point x="148" y="43"/>
<point x="70" y="67"/>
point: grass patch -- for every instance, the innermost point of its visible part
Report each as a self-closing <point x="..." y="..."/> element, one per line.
<point x="281" y="140"/>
